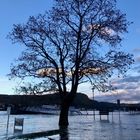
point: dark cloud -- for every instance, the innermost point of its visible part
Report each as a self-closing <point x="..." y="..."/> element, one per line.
<point x="127" y="90"/>
<point x="137" y="59"/>
<point x="136" y="50"/>
<point x="107" y="98"/>
<point x="127" y="86"/>
<point x="129" y="96"/>
<point x="133" y="86"/>
<point x="137" y="69"/>
<point x="130" y="79"/>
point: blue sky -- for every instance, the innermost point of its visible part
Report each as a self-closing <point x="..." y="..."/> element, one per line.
<point x="18" y="11"/>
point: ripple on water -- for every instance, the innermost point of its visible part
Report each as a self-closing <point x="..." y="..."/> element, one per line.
<point x="81" y="127"/>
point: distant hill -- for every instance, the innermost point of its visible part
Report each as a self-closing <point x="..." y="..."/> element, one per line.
<point x="81" y="101"/>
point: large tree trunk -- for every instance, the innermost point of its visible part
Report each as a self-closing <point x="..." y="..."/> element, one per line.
<point x="64" y="112"/>
<point x="63" y="118"/>
<point x="64" y="135"/>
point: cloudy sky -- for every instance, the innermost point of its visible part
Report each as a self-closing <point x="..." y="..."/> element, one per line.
<point x="18" y="11"/>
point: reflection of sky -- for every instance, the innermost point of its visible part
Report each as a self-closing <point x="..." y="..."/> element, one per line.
<point x="15" y="11"/>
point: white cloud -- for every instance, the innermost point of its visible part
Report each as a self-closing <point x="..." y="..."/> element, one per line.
<point x="85" y="88"/>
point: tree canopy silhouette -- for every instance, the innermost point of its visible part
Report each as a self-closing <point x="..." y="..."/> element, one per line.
<point x="75" y="42"/>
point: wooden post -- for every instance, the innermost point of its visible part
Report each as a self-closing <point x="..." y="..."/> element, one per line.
<point x="108" y="117"/>
<point x="93" y="102"/>
<point x="94" y="114"/>
<point x="112" y="115"/>
<point x="118" y="103"/>
<point x="8" y="112"/>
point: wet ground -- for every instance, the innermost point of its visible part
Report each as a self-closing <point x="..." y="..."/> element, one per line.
<point x="82" y="127"/>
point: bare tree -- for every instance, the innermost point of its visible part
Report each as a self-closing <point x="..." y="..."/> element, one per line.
<point x="39" y="88"/>
<point x="77" y="41"/>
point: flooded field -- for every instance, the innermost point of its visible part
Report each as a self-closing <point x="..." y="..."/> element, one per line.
<point x="82" y="127"/>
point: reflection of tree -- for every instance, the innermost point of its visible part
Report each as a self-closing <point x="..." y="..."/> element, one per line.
<point x="64" y="135"/>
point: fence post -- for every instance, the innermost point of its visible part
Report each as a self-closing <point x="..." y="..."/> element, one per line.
<point x="8" y="113"/>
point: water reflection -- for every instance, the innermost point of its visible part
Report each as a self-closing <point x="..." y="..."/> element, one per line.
<point x="64" y="134"/>
<point x="81" y="127"/>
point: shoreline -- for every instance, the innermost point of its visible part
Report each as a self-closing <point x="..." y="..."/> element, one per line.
<point x="35" y="134"/>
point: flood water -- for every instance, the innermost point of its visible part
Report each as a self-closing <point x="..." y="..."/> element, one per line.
<point x="82" y="127"/>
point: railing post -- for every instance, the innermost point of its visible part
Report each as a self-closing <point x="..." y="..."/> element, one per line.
<point x="8" y="113"/>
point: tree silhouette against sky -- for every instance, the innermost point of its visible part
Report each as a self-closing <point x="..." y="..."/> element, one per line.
<point x="75" y="42"/>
